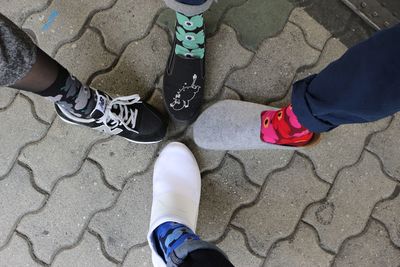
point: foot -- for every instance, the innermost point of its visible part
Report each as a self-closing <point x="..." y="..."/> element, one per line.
<point x="176" y="195"/>
<point x="281" y="127"/>
<point x="184" y="75"/>
<point x="127" y="116"/>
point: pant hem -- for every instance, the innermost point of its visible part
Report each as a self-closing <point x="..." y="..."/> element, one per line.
<point x="188" y="10"/>
<point x="302" y="109"/>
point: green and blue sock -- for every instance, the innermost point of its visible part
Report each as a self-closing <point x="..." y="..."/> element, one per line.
<point x="190" y="35"/>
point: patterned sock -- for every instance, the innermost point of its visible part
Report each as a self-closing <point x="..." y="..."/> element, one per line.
<point x="190" y="36"/>
<point x="71" y="94"/>
<point x="171" y="235"/>
<point x="281" y="127"/>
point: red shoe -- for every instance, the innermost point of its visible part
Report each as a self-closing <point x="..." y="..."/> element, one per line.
<point x="281" y="127"/>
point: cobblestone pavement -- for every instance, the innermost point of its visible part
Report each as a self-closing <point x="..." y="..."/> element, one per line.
<point x="72" y="197"/>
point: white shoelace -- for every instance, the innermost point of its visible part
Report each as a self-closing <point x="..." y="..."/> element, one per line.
<point x="125" y="117"/>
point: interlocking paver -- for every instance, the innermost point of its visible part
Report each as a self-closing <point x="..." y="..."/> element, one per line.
<point x="138" y="257"/>
<point x="67" y="212"/>
<point x="212" y="17"/>
<point x="67" y="146"/>
<point x="315" y="34"/>
<point x="277" y="212"/>
<point x="274" y="67"/>
<point x="126" y="21"/>
<point x="388" y="212"/>
<point x="7" y="95"/>
<point x="234" y="247"/>
<point x="257" y="20"/>
<point x="229" y="59"/>
<point x="347" y="141"/>
<point x="126" y="223"/>
<point x="228" y="93"/>
<point x="302" y="250"/>
<point x="223" y="191"/>
<point x="58" y="24"/>
<point x="346" y="210"/>
<point x="372" y="249"/>
<point x="17" y="254"/>
<point x="385" y="144"/>
<point x="121" y="159"/>
<point x="43" y="108"/>
<point x="85" y="56"/>
<point x="87" y="253"/>
<point x="17" y="197"/>
<point x="259" y="163"/>
<point x="139" y="66"/>
<point x="18" y="128"/>
<point x="17" y="10"/>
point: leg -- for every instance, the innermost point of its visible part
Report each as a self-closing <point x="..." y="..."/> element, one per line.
<point x="176" y="198"/>
<point x="184" y="75"/>
<point x="362" y="86"/>
<point x="24" y="66"/>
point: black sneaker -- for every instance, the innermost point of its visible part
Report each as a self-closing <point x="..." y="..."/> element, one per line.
<point x="184" y="81"/>
<point x="126" y="116"/>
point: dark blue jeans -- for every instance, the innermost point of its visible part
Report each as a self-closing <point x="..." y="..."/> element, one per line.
<point x="362" y="86"/>
<point x="192" y="2"/>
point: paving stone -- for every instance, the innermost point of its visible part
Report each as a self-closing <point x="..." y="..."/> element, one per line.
<point x="277" y="212"/>
<point x="301" y="250"/>
<point x="16" y="186"/>
<point x="371" y="249"/>
<point x="16" y="254"/>
<point x="332" y="51"/>
<point x="234" y="247"/>
<point x="67" y="146"/>
<point x="7" y="95"/>
<point x="347" y="141"/>
<point x="130" y="75"/>
<point x="67" y="212"/>
<point x="346" y="210"/>
<point x="57" y="24"/>
<point x="384" y="144"/>
<point x="257" y="20"/>
<point x="223" y="191"/>
<point x="18" y="10"/>
<point x="388" y="212"/>
<point x="259" y="163"/>
<point x="228" y="93"/>
<point x="221" y="61"/>
<point x="44" y="108"/>
<point x="121" y="159"/>
<point x="87" y="253"/>
<point x="85" y="56"/>
<point x="138" y="257"/>
<point x="207" y="159"/>
<point x="126" y="223"/>
<point x="18" y="128"/>
<point x="212" y="17"/>
<point x="315" y="34"/>
<point x="126" y="21"/>
<point x="274" y="66"/>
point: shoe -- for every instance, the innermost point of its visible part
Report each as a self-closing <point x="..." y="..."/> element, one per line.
<point x="126" y="116"/>
<point x="176" y="192"/>
<point x="184" y="78"/>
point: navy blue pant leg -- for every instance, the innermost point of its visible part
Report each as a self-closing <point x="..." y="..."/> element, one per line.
<point x="192" y="2"/>
<point x="362" y="86"/>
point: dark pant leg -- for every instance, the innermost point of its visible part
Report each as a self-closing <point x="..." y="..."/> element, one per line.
<point x="206" y="258"/>
<point x="192" y="2"/>
<point x="362" y="86"/>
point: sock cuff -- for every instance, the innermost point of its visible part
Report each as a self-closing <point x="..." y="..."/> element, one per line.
<point x="54" y="88"/>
